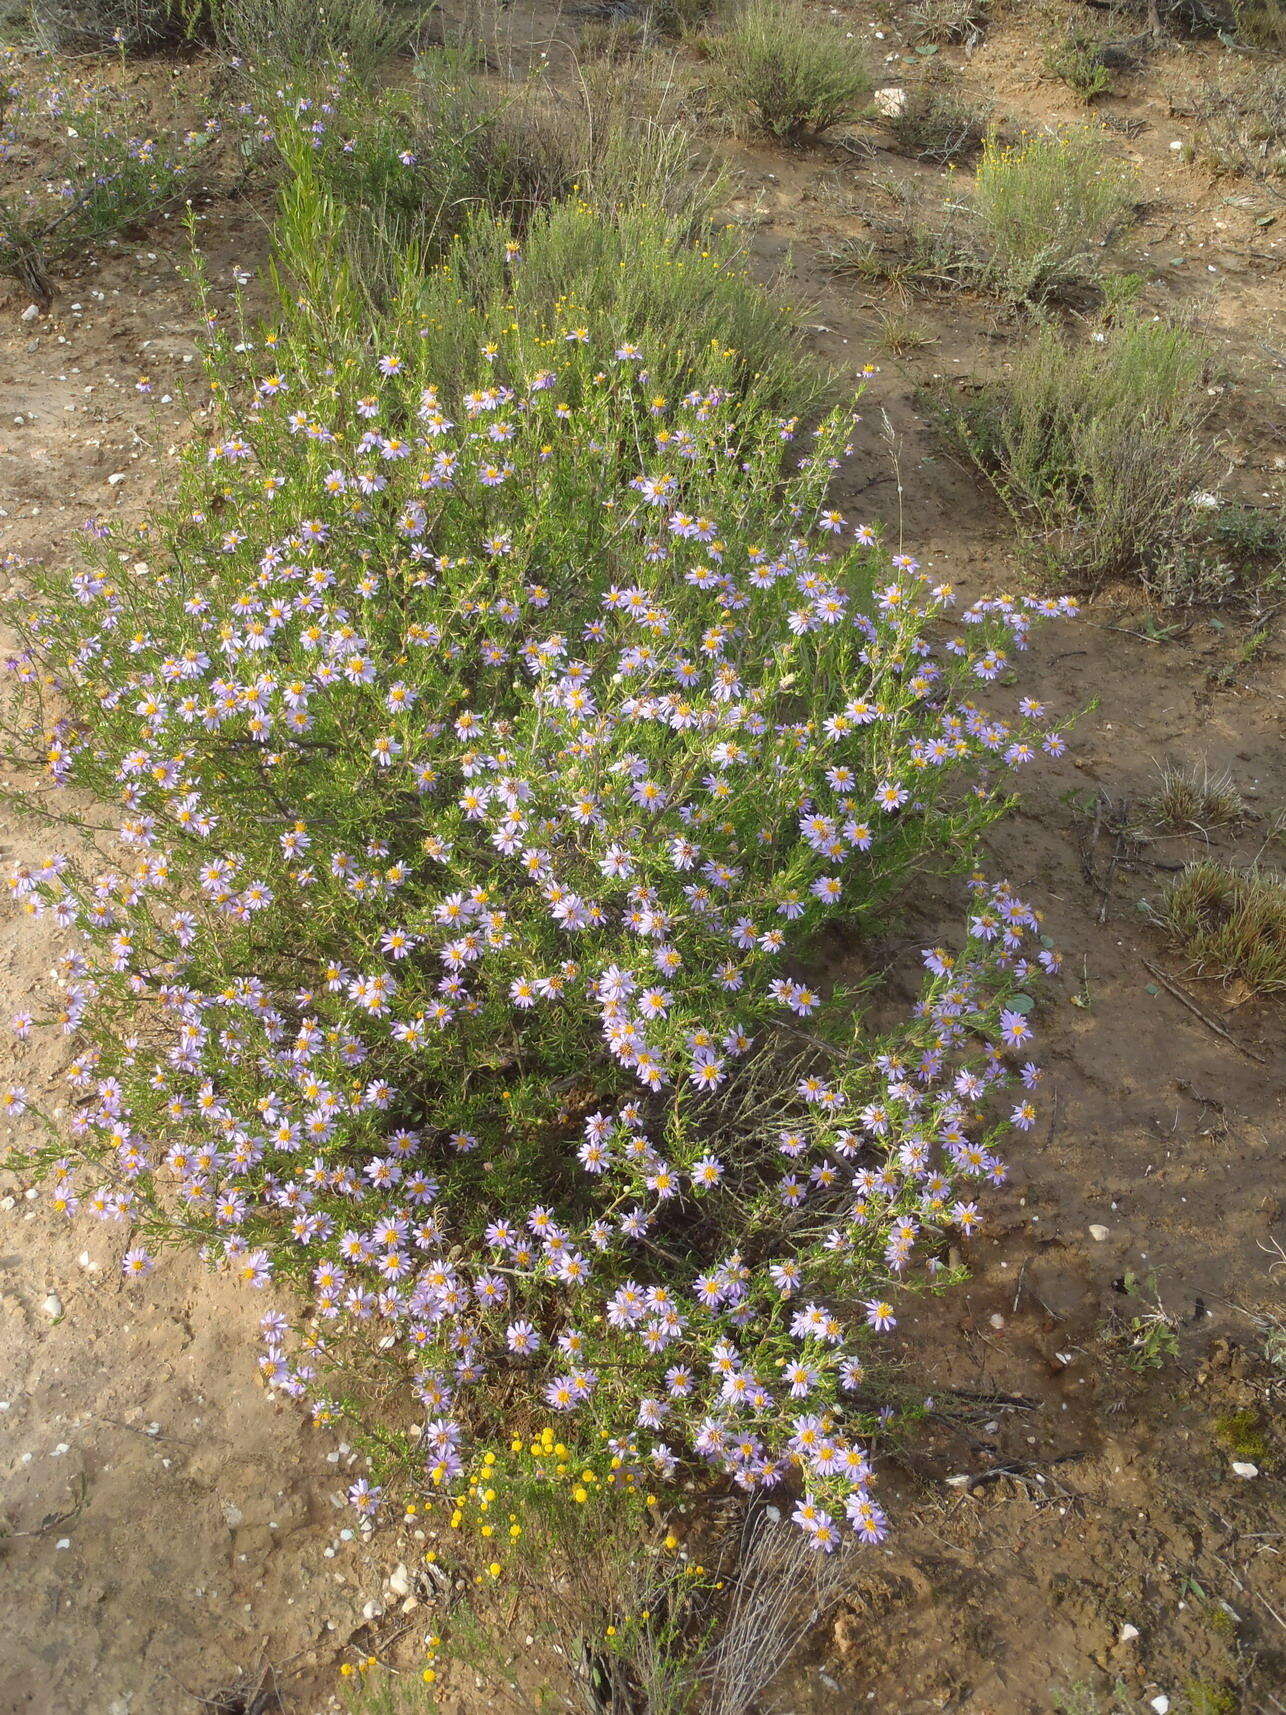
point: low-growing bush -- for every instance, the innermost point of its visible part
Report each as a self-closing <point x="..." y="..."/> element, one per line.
<point x="1230" y="924"/>
<point x="1097" y="444"/>
<point x="793" y="75"/>
<point x="1047" y="209"/>
<point x="1079" y="60"/>
<point x="1035" y="224"/>
<point x="632" y="250"/>
<point x="940" y="121"/>
<point x="407" y="169"/>
<point x="487" y="756"/>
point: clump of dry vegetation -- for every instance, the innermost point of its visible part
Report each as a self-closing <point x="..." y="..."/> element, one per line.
<point x="1096" y="445"/>
<point x="1194" y="797"/>
<point x="1036" y="223"/>
<point x="1262" y="22"/>
<point x="1241" y="122"/>
<point x="308" y="35"/>
<point x="787" y="72"/>
<point x="947" y="21"/>
<point x="88" y="26"/>
<point x="940" y="121"/>
<point x="1231" y="924"/>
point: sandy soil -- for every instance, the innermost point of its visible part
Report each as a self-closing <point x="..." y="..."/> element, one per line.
<point x="1067" y="1519"/>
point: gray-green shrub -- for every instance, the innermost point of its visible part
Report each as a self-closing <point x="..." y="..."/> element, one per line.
<point x="1096" y="444"/>
<point x="792" y="75"/>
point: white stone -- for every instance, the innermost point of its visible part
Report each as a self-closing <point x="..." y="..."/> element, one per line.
<point x="1129" y="1633"/>
<point x="1099" y="1232"/>
<point x="53" y="1305"/>
<point x="1244" y="1468"/>
<point x="399" y="1580"/>
<point x="31" y="312"/>
<point x="890" y="103"/>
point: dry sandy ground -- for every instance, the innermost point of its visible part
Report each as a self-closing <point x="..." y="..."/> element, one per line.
<point x="1101" y="1534"/>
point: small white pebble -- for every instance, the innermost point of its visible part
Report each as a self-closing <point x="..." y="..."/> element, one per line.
<point x="1129" y="1633"/>
<point x="1099" y="1232"/>
<point x="1160" y="1704"/>
<point x="1244" y="1468"/>
<point x="53" y="1305"/>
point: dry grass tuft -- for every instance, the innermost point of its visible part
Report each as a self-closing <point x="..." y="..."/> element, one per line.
<point x="947" y="21"/>
<point x="1231" y="924"/>
<point x="1262" y="23"/>
<point x="902" y="335"/>
<point x="1194" y="798"/>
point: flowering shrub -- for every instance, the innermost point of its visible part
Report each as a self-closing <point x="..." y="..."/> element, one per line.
<point x="487" y="762"/>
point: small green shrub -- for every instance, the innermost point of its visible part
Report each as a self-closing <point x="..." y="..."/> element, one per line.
<point x="408" y="167"/>
<point x="1036" y="223"/>
<point x="1077" y="60"/>
<point x="1251" y="540"/>
<point x="941" y="121"/>
<point x="623" y="247"/>
<point x="1047" y="209"/>
<point x="1228" y="552"/>
<point x="1231" y="924"/>
<point x="1096" y="445"/>
<point x="795" y="77"/>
